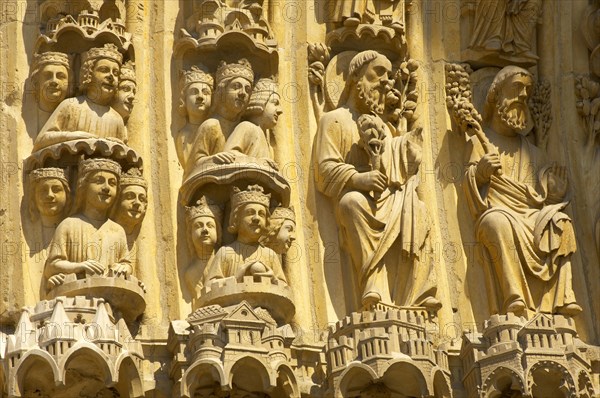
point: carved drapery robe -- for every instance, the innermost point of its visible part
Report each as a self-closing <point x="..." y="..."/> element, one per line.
<point x="76" y="240"/>
<point x="342" y="9"/>
<point x="80" y="118"/>
<point x="505" y="25"/>
<point x="384" y="237"/>
<point x="528" y="239"/>
<point x="251" y="140"/>
<point x="237" y="259"/>
<point x="209" y="140"/>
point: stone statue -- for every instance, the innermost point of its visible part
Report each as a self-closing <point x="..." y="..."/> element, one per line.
<point x="505" y="26"/>
<point x="281" y="232"/>
<point x="123" y="101"/>
<point x="89" y="243"/>
<point x="246" y="256"/>
<point x="233" y="88"/>
<point x="203" y="232"/>
<point x="517" y="199"/>
<point x="250" y="137"/>
<point x="51" y="195"/>
<point x="194" y="103"/>
<point x="382" y="221"/>
<point x="50" y="77"/>
<point x="89" y="115"/>
<point x="131" y="206"/>
<point x="351" y="13"/>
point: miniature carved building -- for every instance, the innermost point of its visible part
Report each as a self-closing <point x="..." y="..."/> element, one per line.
<point x="299" y="199"/>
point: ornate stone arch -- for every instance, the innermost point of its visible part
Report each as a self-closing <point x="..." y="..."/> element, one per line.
<point x="501" y="379"/>
<point x="566" y="386"/>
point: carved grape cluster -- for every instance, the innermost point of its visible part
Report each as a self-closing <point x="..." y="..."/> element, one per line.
<point x="459" y="94"/>
<point x="541" y="111"/>
<point x="318" y="57"/>
<point x="588" y="105"/>
<point x="402" y="99"/>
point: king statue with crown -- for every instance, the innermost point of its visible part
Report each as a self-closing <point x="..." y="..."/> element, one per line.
<point x="89" y="242"/>
<point x="246" y="256"/>
<point x="89" y="115"/>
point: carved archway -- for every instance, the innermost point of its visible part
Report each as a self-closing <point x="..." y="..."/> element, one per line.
<point x="86" y="368"/>
<point x="405" y="378"/>
<point x="201" y="377"/>
<point x="287" y="385"/>
<point x="550" y="379"/>
<point x="36" y="371"/>
<point x="130" y="383"/>
<point x="585" y="387"/>
<point x="441" y="385"/>
<point x="503" y="380"/>
<point x="250" y="375"/>
<point x="354" y="379"/>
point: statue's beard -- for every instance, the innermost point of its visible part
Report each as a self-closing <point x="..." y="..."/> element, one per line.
<point x="372" y="95"/>
<point x="514" y="114"/>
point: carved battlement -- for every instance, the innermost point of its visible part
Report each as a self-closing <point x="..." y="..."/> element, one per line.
<point x="259" y="291"/>
<point x="56" y="333"/>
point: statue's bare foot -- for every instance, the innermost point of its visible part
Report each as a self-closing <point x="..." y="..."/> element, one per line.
<point x="432" y="304"/>
<point x="570" y="309"/>
<point x="370" y="299"/>
<point x="516" y="307"/>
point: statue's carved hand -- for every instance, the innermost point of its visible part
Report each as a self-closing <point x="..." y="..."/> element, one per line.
<point x="487" y="166"/>
<point x="91" y="267"/>
<point x="56" y="280"/>
<point x="374" y="181"/>
<point x="558" y="182"/>
<point x="224" y="157"/>
<point x="122" y="269"/>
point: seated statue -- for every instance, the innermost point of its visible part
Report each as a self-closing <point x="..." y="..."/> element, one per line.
<point x="281" y="232"/>
<point x="51" y="195"/>
<point x="195" y="102"/>
<point x="50" y="77"/>
<point x="517" y="199"/>
<point x="203" y="233"/>
<point x="89" y="115"/>
<point x="246" y="256"/>
<point x="250" y="137"/>
<point x="123" y="101"/>
<point x="505" y="26"/>
<point x="89" y="243"/>
<point x="372" y="180"/>
<point x="233" y="88"/>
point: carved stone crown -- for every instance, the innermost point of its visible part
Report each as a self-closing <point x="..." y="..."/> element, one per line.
<point x="88" y="165"/>
<point x="127" y="72"/>
<point x="109" y="51"/>
<point x="263" y="89"/>
<point x="45" y="173"/>
<point x="240" y="69"/>
<point x="133" y="176"/>
<point x="50" y="58"/>
<point x="195" y="75"/>
<point x="203" y="208"/>
<point x="284" y="213"/>
<point x="253" y="194"/>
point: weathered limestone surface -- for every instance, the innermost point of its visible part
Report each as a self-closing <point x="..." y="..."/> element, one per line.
<point x="300" y="198"/>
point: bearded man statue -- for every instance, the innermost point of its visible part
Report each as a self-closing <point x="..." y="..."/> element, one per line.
<point x="382" y="222"/>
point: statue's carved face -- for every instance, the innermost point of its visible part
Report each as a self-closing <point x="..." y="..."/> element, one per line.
<point x="104" y="81"/>
<point x="511" y="104"/>
<point x="286" y="235"/>
<point x="53" y="86"/>
<point x="374" y="84"/>
<point x="50" y="197"/>
<point x="125" y="97"/>
<point x="236" y="95"/>
<point x="252" y="221"/>
<point x="198" y="99"/>
<point x="272" y="111"/>
<point x="204" y="233"/>
<point x="101" y="189"/>
<point x="133" y="203"/>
